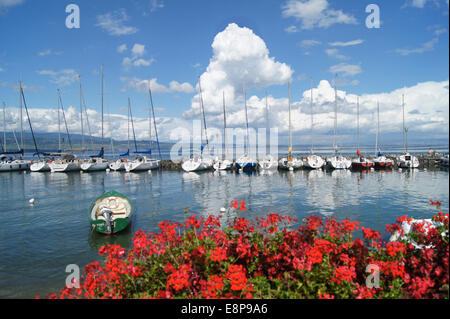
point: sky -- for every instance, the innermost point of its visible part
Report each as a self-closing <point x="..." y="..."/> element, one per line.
<point x="231" y="47"/>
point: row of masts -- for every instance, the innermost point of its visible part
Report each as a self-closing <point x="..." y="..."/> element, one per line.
<point x="152" y="115"/>
<point x="83" y="108"/>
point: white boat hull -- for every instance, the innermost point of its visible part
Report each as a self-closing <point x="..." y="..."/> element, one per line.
<point x="90" y="167"/>
<point x="223" y="165"/>
<point x="117" y="165"/>
<point x="291" y="164"/>
<point x="268" y="164"/>
<point x="40" y="166"/>
<point x="314" y="162"/>
<point x="16" y="165"/>
<point x="196" y="164"/>
<point x="56" y="167"/>
<point x="142" y="165"/>
<point x="408" y="161"/>
<point x="339" y="162"/>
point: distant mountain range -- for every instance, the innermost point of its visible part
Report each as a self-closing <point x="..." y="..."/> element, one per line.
<point x="49" y="142"/>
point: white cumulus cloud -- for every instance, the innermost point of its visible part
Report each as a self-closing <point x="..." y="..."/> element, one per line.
<point x="114" y="23"/>
<point x="240" y="60"/>
<point x="315" y="13"/>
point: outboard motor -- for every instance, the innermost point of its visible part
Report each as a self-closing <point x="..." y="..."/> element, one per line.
<point x="107" y="214"/>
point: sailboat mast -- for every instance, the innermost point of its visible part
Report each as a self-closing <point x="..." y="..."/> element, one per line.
<point x="378" y="127"/>
<point x="154" y="121"/>
<point x="29" y="122"/>
<point x="132" y="125"/>
<point x="404" y="129"/>
<point x="21" y="115"/>
<point x="102" y="102"/>
<point x="312" y="121"/>
<point x="267" y="126"/>
<point x="203" y="111"/>
<point x="246" y="121"/>
<point x="357" y="122"/>
<point x="128" y="125"/>
<point x="335" y="115"/>
<point x="81" y="115"/>
<point x="4" y="127"/>
<point x="290" y="120"/>
<point x="224" y="126"/>
<point x="59" y="123"/>
<point x="149" y="117"/>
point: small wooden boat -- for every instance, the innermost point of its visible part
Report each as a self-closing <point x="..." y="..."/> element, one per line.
<point x="110" y="213"/>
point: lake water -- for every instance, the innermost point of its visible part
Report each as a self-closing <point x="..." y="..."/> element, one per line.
<point x="38" y="241"/>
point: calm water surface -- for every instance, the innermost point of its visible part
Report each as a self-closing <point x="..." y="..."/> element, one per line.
<point x="38" y="241"/>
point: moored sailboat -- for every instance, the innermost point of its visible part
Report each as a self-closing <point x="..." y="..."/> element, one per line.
<point x="8" y="163"/>
<point x="245" y="162"/>
<point x="199" y="163"/>
<point x="96" y="162"/>
<point x="380" y="161"/>
<point x="313" y="161"/>
<point x="223" y="164"/>
<point x="406" y="160"/>
<point x="269" y="162"/>
<point x="360" y="162"/>
<point x="144" y="162"/>
<point x="67" y="162"/>
<point x="337" y="161"/>
<point x="290" y="162"/>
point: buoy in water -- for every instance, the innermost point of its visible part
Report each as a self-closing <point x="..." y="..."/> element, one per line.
<point x="31" y="201"/>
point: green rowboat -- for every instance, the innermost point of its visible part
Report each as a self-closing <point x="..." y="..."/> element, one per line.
<point x="110" y="213"/>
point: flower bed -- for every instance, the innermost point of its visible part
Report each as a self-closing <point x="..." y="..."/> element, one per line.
<point x="268" y="258"/>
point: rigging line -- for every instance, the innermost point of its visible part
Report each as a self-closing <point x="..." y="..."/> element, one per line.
<point x="246" y="121"/>
<point x="203" y="111"/>
<point x="29" y="121"/>
<point x="87" y="121"/>
<point x="4" y="126"/>
<point x="81" y="115"/>
<point x="132" y="125"/>
<point x="65" y="122"/>
<point x="154" y="122"/>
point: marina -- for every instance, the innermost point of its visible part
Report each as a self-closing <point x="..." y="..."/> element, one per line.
<point x="294" y="149"/>
<point x="61" y="202"/>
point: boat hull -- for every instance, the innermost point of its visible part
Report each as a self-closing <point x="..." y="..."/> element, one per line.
<point x="223" y="165"/>
<point x="64" y="167"/>
<point x="117" y="166"/>
<point x="314" y="162"/>
<point x="40" y="167"/>
<point x="195" y="165"/>
<point x="139" y="166"/>
<point x="16" y="165"/>
<point x="122" y="209"/>
<point x="338" y="162"/>
<point x="91" y="167"/>
<point x="361" y="163"/>
<point x="290" y="164"/>
<point x="246" y="166"/>
<point x="268" y="164"/>
<point x="382" y="162"/>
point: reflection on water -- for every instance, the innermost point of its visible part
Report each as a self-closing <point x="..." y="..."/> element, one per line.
<point x="38" y="241"/>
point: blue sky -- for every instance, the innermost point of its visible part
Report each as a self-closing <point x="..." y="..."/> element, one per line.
<point x="171" y="43"/>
